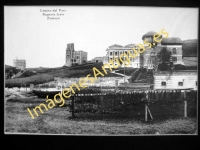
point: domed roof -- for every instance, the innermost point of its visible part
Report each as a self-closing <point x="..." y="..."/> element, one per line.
<point x="148" y="34"/>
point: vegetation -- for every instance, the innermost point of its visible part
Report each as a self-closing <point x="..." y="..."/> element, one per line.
<point x="190" y="48"/>
<point x="61" y="72"/>
<point x="168" y="119"/>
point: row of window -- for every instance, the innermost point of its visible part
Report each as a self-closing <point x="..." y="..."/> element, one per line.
<point x="179" y="83"/>
<point x="120" y="52"/>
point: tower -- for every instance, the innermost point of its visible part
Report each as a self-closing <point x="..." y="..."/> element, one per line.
<point x="69" y="54"/>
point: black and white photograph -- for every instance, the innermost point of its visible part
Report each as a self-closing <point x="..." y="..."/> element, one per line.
<point x="100" y="70"/>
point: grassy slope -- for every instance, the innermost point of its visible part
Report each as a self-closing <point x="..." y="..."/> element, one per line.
<point x="130" y="120"/>
<point x="73" y="72"/>
<point x="190" y="48"/>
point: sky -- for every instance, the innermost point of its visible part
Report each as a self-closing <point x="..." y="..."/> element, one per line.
<point x="29" y="35"/>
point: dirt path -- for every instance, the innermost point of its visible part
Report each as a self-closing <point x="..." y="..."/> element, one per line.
<point x="21" y="96"/>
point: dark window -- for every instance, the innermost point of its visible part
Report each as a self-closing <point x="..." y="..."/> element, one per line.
<point x="180" y="83"/>
<point x="110" y="53"/>
<point x="174" y="58"/>
<point x="196" y="83"/>
<point x="163" y="83"/>
<point x="174" y="51"/>
<point x="115" y="53"/>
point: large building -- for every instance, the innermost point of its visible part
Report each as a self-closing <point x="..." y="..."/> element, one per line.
<point x="74" y="57"/>
<point x="114" y="51"/>
<point x="19" y="63"/>
<point x="172" y="46"/>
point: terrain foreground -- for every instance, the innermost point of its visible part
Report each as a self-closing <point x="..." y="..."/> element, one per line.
<point x="127" y="121"/>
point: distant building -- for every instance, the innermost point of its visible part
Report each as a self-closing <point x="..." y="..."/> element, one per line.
<point x="178" y="79"/>
<point x="114" y="51"/>
<point x="97" y="60"/>
<point x="74" y="57"/>
<point x="19" y="63"/>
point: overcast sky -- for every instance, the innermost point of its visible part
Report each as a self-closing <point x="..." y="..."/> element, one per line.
<point x="42" y="43"/>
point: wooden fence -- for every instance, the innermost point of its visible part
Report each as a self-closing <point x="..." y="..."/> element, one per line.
<point x="95" y="101"/>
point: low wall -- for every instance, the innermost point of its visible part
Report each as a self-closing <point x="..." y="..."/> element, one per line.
<point x="101" y="81"/>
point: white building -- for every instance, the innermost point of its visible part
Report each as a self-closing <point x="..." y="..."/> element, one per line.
<point x="114" y="51"/>
<point x="178" y="79"/>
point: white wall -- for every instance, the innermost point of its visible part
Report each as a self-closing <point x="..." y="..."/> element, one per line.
<point x="189" y="81"/>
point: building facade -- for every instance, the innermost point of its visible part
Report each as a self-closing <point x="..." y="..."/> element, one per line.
<point x="178" y="79"/>
<point x="19" y="63"/>
<point x="74" y="57"/>
<point x="174" y="45"/>
<point x="148" y="57"/>
<point x="114" y="51"/>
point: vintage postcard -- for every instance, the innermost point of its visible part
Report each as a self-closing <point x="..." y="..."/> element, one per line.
<point x="100" y="70"/>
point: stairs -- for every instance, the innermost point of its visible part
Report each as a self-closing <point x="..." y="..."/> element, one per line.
<point x="19" y="73"/>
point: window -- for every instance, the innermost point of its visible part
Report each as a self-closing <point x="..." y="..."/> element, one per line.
<point x="121" y="52"/>
<point x="163" y="83"/>
<point x="174" y="58"/>
<point x="174" y="51"/>
<point x="77" y="57"/>
<point x="110" y="53"/>
<point x="180" y="83"/>
<point x="115" y="53"/>
<point x="196" y="83"/>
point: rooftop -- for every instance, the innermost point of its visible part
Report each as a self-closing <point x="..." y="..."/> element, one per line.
<point x="171" y="40"/>
<point x="176" y="72"/>
<point x="115" y="46"/>
<point x="130" y="46"/>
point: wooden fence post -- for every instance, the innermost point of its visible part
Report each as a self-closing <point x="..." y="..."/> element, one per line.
<point x="145" y="112"/>
<point x="185" y="108"/>
<point x="73" y="106"/>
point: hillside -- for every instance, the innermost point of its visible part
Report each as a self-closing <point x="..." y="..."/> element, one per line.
<point x="190" y="48"/>
<point x="70" y="72"/>
<point x="14" y="69"/>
